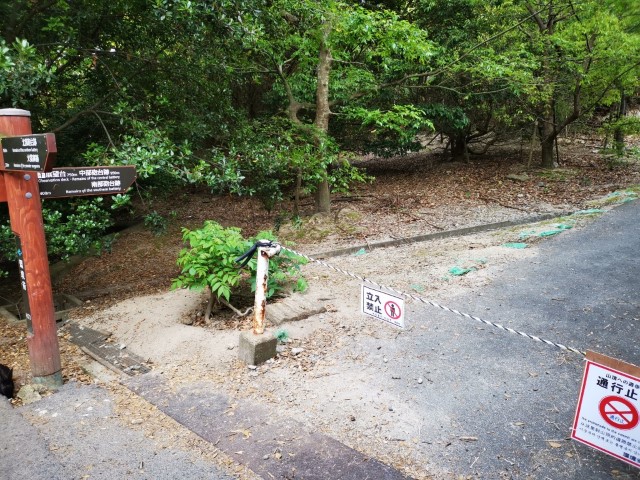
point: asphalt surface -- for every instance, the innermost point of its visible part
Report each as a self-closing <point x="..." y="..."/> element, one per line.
<point x="75" y="434"/>
<point x="491" y="404"/>
<point x="496" y="405"/>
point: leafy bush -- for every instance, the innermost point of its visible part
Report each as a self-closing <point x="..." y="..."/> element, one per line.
<point x="22" y="71"/>
<point x="265" y="157"/>
<point x="70" y="228"/>
<point x="156" y="223"/>
<point x="208" y="261"/>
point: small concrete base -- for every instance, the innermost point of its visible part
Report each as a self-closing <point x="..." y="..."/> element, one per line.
<point x="51" y="382"/>
<point x="256" y="349"/>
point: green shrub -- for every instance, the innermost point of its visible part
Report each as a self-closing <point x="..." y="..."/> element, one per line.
<point x="156" y="223"/>
<point x="71" y="228"/>
<point x="208" y="261"/>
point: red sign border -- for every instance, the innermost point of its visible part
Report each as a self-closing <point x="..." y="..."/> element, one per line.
<point x="577" y="415"/>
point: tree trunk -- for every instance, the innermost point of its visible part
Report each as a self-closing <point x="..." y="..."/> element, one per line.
<point x="618" y="133"/>
<point x="323" y="111"/>
<point x="296" y="193"/>
<point x="459" y="151"/>
<point x="548" y="135"/>
<point x="323" y="197"/>
<point x="547" y="152"/>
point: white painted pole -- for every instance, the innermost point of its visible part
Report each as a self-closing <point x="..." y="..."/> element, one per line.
<point x="262" y="274"/>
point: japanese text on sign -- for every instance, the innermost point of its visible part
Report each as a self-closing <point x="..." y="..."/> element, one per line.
<point x="383" y="306"/>
<point x="27" y="152"/>
<point x="607" y="416"/>
<point x="74" y="181"/>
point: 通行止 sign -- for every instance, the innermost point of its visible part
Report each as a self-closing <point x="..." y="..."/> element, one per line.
<point x="607" y="416"/>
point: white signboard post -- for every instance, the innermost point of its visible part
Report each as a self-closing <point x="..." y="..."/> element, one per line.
<point x="607" y="417"/>
<point x="383" y="306"/>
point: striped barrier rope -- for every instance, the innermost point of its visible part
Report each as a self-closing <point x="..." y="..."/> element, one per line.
<point x="436" y="305"/>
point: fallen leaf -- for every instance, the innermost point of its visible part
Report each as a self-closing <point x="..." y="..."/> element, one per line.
<point x="554" y="444"/>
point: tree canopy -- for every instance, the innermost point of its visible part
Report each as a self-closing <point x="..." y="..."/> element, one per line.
<point x="272" y="97"/>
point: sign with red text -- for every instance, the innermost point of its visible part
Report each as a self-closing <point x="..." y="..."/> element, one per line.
<point x="607" y="416"/>
<point x="383" y="306"/>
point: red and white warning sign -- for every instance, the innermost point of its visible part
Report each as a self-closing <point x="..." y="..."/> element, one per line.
<point x="383" y="306"/>
<point x="607" y="416"/>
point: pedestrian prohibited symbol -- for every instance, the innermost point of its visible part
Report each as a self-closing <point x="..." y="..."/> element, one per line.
<point x="393" y="310"/>
<point x="383" y="305"/>
<point x="619" y="412"/>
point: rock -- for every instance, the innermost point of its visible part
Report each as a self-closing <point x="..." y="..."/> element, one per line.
<point x="230" y="346"/>
<point x="186" y="320"/>
<point x="265" y="457"/>
<point x="136" y="421"/>
<point x="252" y="367"/>
<point x="385" y="359"/>
<point x="518" y="178"/>
<point x="297" y="351"/>
<point x="281" y="349"/>
<point x="28" y="394"/>
<point x="420" y="380"/>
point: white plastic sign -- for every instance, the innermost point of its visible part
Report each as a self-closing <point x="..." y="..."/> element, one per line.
<point x="383" y="306"/>
<point x="607" y="417"/>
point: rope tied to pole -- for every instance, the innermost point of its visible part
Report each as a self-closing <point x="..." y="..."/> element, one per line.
<point x="246" y="257"/>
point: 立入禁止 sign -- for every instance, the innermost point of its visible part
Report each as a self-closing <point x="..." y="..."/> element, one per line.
<point x="383" y="306"/>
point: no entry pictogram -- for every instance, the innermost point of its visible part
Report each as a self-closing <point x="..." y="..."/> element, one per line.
<point x="393" y="310"/>
<point x="619" y="412"/>
<point x="383" y="305"/>
<point x="607" y="413"/>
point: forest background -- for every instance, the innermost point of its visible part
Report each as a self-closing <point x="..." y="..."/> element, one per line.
<point x="275" y="99"/>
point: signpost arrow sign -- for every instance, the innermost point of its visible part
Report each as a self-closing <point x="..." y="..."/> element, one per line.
<point x="79" y="181"/>
<point x="28" y="152"/>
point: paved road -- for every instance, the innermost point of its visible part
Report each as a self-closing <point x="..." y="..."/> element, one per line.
<point x="508" y="396"/>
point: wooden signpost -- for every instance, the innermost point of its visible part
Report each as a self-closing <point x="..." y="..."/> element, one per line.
<point x="26" y="176"/>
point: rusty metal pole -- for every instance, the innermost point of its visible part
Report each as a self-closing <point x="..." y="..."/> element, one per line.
<point x="262" y="275"/>
<point x="25" y="211"/>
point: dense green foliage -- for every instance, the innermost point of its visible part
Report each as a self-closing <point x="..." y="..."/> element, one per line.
<point x="208" y="261"/>
<point x="272" y="98"/>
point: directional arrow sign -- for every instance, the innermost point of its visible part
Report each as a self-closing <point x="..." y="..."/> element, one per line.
<point x="79" y="181"/>
<point x="28" y="152"/>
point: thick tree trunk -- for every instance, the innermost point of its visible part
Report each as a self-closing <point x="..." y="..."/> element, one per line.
<point x="548" y="135"/>
<point x="459" y="150"/>
<point x="547" y="153"/>
<point x="323" y="197"/>
<point x="323" y="111"/>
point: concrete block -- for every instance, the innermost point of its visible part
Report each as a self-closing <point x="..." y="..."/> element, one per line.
<point x="256" y="349"/>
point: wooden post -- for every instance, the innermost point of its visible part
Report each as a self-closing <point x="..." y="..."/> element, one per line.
<point x="25" y="210"/>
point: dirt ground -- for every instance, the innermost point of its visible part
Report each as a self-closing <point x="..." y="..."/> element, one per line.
<point x="126" y="291"/>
